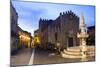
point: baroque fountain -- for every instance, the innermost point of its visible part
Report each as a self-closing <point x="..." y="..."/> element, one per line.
<point x="82" y="51"/>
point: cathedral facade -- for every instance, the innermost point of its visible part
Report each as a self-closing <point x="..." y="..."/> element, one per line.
<point x="62" y="30"/>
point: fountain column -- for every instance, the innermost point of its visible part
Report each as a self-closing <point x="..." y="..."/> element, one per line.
<point x="82" y="37"/>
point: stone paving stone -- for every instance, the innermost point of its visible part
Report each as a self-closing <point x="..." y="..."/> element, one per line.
<point x="47" y="57"/>
<point x="22" y="57"/>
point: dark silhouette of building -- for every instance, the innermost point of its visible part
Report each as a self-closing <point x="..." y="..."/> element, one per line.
<point x="14" y="29"/>
<point x="91" y="38"/>
<point x="62" y="30"/>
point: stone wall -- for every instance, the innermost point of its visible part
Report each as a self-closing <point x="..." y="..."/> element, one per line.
<point x="63" y="28"/>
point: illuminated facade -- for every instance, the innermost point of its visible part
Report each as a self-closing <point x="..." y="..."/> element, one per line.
<point x="25" y="38"/>
<point x="19" y="37"/>
<point x="37" y="41"/>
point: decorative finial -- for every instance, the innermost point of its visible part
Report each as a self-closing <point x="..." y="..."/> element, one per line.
<point x="82" y="24"/>
<point x="83" y="20"/>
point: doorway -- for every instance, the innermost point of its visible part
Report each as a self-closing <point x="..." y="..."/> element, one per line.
<point x="70" y="41"/>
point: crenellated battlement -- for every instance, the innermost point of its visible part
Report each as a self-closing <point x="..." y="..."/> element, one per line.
<point x="45" y="21"/>
<point x="68" y="13"/>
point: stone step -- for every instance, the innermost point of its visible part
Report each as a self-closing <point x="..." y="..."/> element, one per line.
<point x="90" y="49"/>
<point x="72" y="52"/>
<point x="92" y="53"/>
<point x="77" y="49"/>
<point x="64" y="55"/>
<point x="73" y="49"/>
<point x="78" y="53"/>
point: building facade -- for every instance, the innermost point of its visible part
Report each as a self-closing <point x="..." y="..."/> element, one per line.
<point x="25" y="38"/>
<point x="14" y="29"/>
<point x="36" y="38"/>
<point x="62" y="30"/>
<point x="91" y="38"/>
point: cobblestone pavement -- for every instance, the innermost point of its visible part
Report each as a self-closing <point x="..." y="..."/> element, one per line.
<point x="40" y="57"/>
<point x="48" y="57"/>
<point x="22" y="57"/>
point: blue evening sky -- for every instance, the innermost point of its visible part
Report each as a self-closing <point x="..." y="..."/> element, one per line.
<point x="29" y="13"/>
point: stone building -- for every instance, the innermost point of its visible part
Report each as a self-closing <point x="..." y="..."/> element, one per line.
<point x="62" y="30"/>
<point x="14" y="29"/>
<point x="14" y="19"/>
<point x="36" y="38"/>
<point x="91" y="32"/>
<point x="25" y="38"/>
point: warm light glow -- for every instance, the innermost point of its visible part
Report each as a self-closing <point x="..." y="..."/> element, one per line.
<point x="25" y="37"/>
